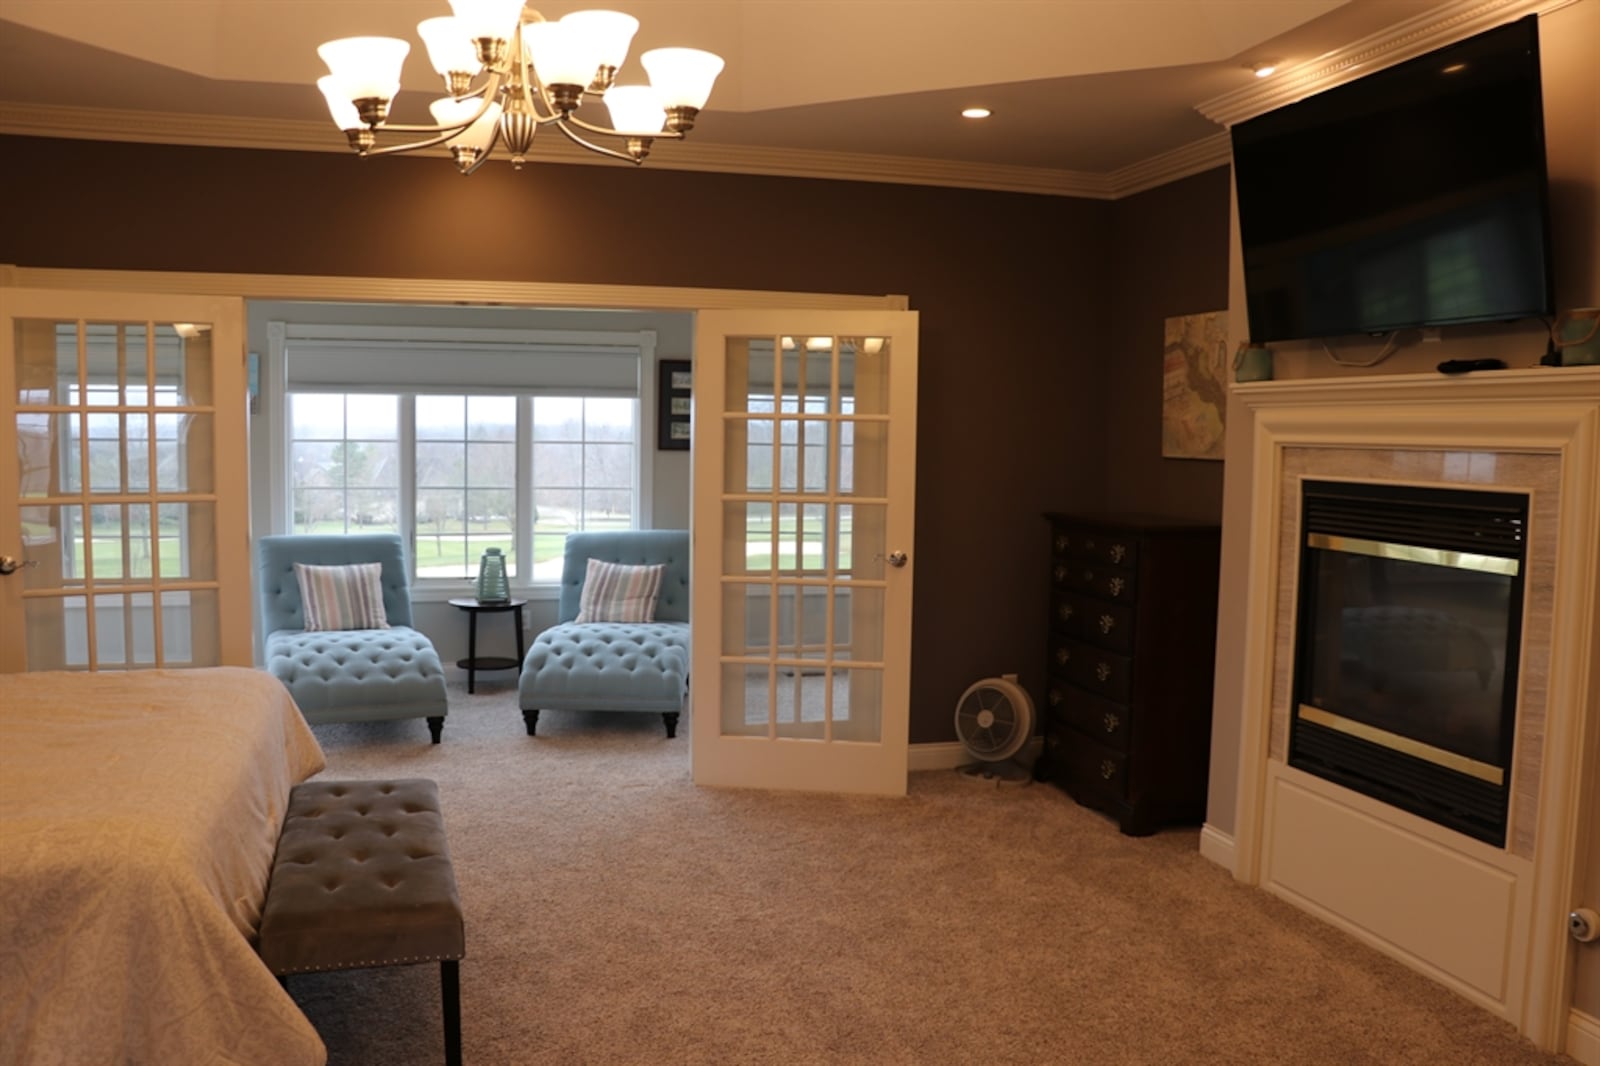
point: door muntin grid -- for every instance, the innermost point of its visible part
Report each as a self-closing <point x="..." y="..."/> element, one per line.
<point x="116" y="426"/>
<point x="804" y="530"/>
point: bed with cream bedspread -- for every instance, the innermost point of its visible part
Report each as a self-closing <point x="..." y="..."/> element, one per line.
<point x="138" y="816"/>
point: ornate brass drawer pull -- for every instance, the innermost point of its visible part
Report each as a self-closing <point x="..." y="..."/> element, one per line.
<point x="1055" y="698"/>
<point x="1063" y="655"/>
<point x="1088" y="577"/>
<point x="1116" y="585"/>
<point x="1060" y="573"/>
<point x="1108" y="769"/>
<point x="1063" y="543"/>
<point x="1107" y="623"/>
<point x="1102" y="670"/>
<point x="1112" y="722"/>
<point x="1118" y="553"/>
<point x="1065" y="612"/>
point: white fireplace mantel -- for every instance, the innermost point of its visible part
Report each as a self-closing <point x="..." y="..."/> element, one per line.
<point x="1489" y="922"/>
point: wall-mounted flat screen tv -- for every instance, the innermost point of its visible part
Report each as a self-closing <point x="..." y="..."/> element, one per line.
<point x="1415" y="196"/>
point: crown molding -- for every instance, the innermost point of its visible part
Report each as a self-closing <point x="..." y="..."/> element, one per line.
<point x="1193" y="158"/>
<point x="283" y="135"/>
<point x="1407" y="39"/>
<point x="228" y="131"/>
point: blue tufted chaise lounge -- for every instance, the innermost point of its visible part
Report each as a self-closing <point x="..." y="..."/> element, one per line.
<point x="614" y="666"/>
<point x="354" y="675"/>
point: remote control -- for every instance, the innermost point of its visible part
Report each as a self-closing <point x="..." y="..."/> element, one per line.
<point x="1463" y="366"/>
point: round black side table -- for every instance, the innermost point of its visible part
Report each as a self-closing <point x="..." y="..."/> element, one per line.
<point x="473" y="663"/>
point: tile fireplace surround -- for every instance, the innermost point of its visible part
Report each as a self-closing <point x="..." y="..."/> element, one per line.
<point x="1489" y="922"/>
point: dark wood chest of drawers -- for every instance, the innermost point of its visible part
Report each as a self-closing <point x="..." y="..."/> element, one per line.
<point x="1127" y="716"/>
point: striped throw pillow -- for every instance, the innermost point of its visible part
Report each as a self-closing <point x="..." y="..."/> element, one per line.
<point x="342" y="597"/>
<point x="614" y="592"/>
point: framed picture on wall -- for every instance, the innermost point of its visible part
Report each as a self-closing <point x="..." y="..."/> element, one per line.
<point x="674" y="389"/>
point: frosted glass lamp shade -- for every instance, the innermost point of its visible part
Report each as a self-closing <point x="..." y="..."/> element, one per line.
<point x="343" y="111"/>
<point x="449" y="47"/>
<point x="367" y="67"/>
<point x="448" y="111"/>
<point x="603" y="35"/>
<point x="494" y="19"/>
<point x="682" y="77"/>
<point x="635" y="109"/>
<point x="559" y="56"/>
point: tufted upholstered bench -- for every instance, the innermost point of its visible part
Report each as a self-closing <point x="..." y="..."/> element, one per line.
<point x="614" y="666"/>
<point x="356" y="675"/>
<point x="362" y="878"/>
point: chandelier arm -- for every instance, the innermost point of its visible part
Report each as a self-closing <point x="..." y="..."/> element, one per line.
<point x="671" y="135"/>
<point x="412" y="146"/>
<point x="565" y="127"/>
<point x="487" y="94"/>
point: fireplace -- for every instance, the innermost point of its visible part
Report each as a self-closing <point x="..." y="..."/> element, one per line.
<point x="1486" y="919"/>
<point x="1405" y="666"/>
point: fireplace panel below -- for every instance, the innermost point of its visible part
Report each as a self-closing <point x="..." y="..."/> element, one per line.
<point x="1441" y="909"/>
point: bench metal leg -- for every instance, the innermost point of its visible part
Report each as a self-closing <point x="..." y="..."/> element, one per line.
<point x="532" y="719"/>
<point x="436" y="726"/>
<point x="450" y="993"/>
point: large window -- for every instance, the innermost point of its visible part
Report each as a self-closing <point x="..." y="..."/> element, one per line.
<point x="457" y="474"/>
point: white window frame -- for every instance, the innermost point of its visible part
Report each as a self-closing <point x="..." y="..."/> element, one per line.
<point x="521" y="362"/>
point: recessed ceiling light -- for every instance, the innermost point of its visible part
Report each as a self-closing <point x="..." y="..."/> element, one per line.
<point x="1265" y="70"/>
<point x="976" y="112"/>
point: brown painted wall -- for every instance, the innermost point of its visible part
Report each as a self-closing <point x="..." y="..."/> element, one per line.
<point x="1012" y="291"/>
<point x="1169" y="258"/>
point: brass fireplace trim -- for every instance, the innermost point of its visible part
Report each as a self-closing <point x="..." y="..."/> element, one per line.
<point x="1494" y="775"/>
<point x="1412" y="553"/>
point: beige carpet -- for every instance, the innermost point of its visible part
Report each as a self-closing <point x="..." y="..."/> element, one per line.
<point x="617" y="914"/>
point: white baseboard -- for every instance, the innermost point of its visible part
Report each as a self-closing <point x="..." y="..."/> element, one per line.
<point x="1583" y="1038"/>
<point x="1217" y="846"/>
<point x="950" y="754"/>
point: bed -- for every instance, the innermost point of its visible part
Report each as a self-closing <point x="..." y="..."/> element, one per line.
<point x="138" y="816"/>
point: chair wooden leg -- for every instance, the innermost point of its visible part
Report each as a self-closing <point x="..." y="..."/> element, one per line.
<point x="532" y="718"/>
<point x="450" y="995"/>
<point x="436" y="726"/>
<point x="671" y="718"/>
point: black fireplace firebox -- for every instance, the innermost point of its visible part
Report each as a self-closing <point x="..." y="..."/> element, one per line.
<point x="1410" y="618"/>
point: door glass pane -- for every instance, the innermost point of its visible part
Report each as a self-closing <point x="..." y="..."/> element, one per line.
<point x="864" y="458"/>
<point x="747" y="537"/>
<point x="107" y="450"/>
<point x="749" y="376"/>
<point x="858" y="624"/>
<point x="862" y="540"/>
<point x="864" y="374"/>
<point x="746" y="619"/>
<point x="183" y="365"/>
<point x="57" y="633"/>
<point x="46" y="360"/>
<point x="185" y="541"/>
<point x="184" y="447"/>
<point x="189" y="627"/>
<point x="744" y="699"/>
<point x="858" y="704"/>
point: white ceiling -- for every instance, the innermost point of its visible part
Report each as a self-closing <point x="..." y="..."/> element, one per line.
<point x="1078" y="87"/>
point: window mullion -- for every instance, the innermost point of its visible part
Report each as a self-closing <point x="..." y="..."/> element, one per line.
<point x="522" y="532"/>
<point x="407" y="518"/>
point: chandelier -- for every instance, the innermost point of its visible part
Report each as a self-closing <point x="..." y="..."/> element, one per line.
<point x="510" y="72"/>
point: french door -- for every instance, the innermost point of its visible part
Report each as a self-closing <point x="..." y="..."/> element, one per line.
<point x="124" y="540"/>
<point x="804" y="468"/>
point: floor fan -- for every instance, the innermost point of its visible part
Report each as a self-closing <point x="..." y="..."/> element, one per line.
<point x="994" y="720"/>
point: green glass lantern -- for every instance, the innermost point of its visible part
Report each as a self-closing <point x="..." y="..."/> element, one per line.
<point x="492" y="584"/>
